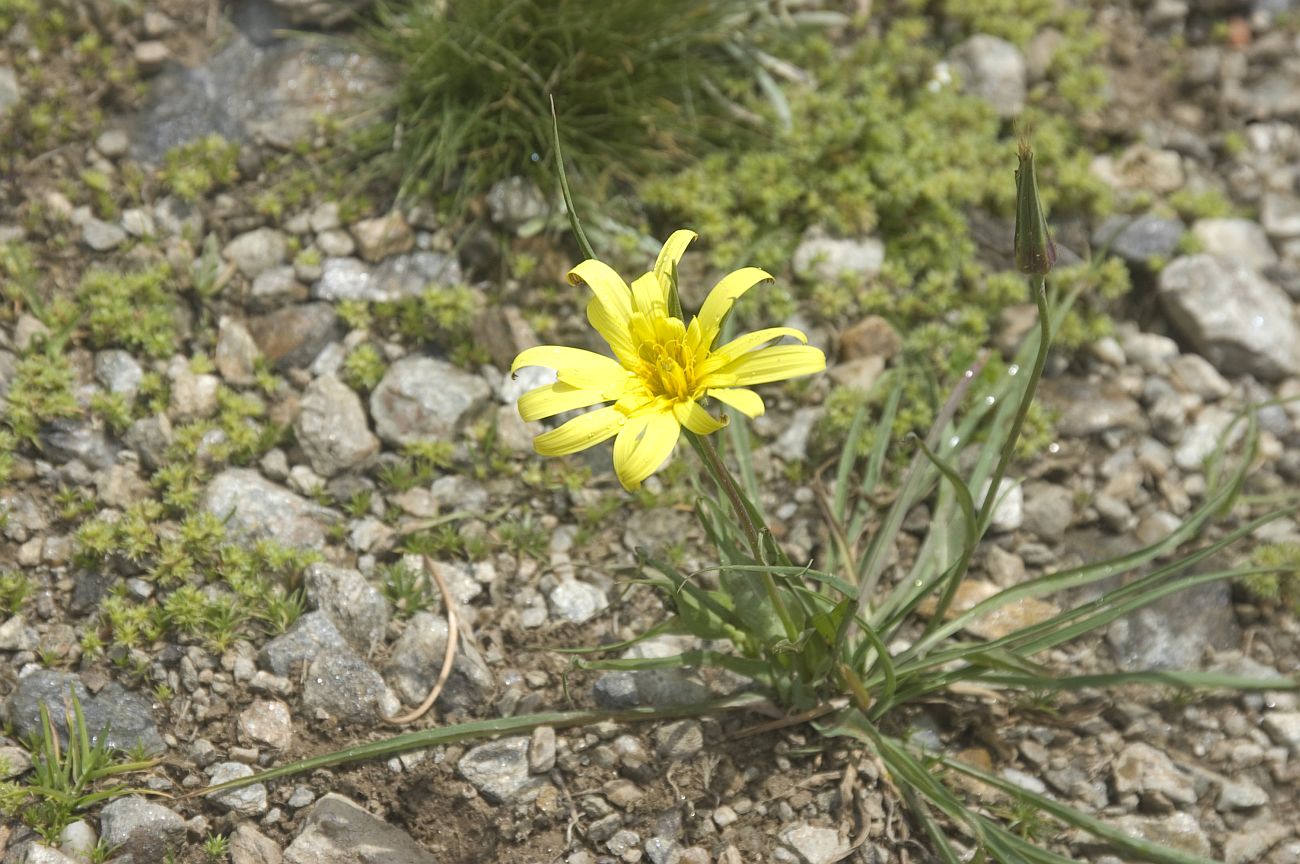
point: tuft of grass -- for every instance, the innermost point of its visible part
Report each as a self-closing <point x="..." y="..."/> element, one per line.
<point x="130" y="309"/>
<point x="66" y="780"/>
<point x="640" y="86"/>
<point x="1278" y="576"/>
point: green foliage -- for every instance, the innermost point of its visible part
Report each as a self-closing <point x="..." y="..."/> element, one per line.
<point x="407" y="588"/>
<point x="878" y="148"/>
<point x="441" y="315"/>
<point x="66" y="780"/>
<point x="216" y="848"/>
<point x="1207" y="203"/>
<point x="1282" y="585"/>
<point x="637" y="86"/>
<point x="41" y="391"/>
<point x="14" y="588"/>
<point x="199" y="167"/>
<point x="364" y="367"/>
<point x="132" y="310"/>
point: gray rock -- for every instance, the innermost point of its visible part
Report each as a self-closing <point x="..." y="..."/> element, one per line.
<point x="1178" y="830"/>
<point x="992" y="69"/>
<point x="332" y="428"/>
<point x="276" y="286"/>
<point x="616" y="690"/>
<point x="246" y="800"/>
<point x="267" y="723"/>
<point x="319" y="13"/>
<point x="1239" y="793"/>
<point x="138" y="222"/>
<point x="193" y="397"/>
<point x="312" y="634"/>
<point x="178" y="218"/>
<point x="44" y="687"/>
<point x="1241" y="241"/>
<point x="526" y="379"/>
<point x="358" y="610"/>
<point x="236" y="353"/>
<point x="1143" y="769"/>
<point x="292" y="337"/>
<point x="416" y="660"/>
<point x="277" y="93"/>
<point x="113" y="143"/>
<point x="257" y="251"/>
<point x="118" y="371"/>
<point x="394" y="279"/>
<point x="1203" y="436"/>
<point x="250" y="846"/>
<point x="421" y="398"/>
<point x="15" y="635"/>
<point x="10" y="93"/>
<point x="14" y="762"/>
<point x="124" y="719"/>
<point x="577" y="601"/>
<point x="339" y="831"/>
<point x="514" y="202"/>
<point x="499" y="769"/>
<point x="1153" y="352"/>
<point x="1174" y="632"/>
<point x="815" y="845"/>
<point x="1236" y="319"/>
<point x="1280" y="215"/>
<point x="255" y="508"/>
<point x="150" y="437"/>
<point x="1049" y="509"/>
<point x="39" y="853"/>
<point x="1284" y="728"/>
<point x="1256" y="838"/>
<point x="1088" y="409"/>
<point x="79" y="839"/>
<point x="1192" y="373"/>
<point x="140" y="831"/>
<point x="67" y="439"/>
<point x="792" y="444"/>
<point x="383" y="236"/>
<point x="1009" y="509"/>
<point x="335" y="243"/>
<point x="679" y="740"/>
<point x="102" y="236"/>
<point x="541" y="750"/>
<point x="1139" y="241"/>
<point x="830" y="259"/>
<point x="341" y="685"/>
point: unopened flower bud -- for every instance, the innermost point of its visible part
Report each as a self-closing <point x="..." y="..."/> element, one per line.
<point x="1035" y="251"/>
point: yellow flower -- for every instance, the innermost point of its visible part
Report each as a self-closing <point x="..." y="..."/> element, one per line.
<point x="662" y="368"/>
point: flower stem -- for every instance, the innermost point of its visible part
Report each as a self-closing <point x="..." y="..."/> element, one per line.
<point x="1009" y="448"/>
<point x="722" y="477"/>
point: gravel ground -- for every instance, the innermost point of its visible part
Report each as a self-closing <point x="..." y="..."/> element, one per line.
<point x="540" y="559"/>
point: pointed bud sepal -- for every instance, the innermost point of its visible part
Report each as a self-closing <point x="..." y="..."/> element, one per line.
<point x="1035" y="251"/>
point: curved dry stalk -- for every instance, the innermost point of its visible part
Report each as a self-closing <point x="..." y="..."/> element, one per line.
<point x="448" y="657"/>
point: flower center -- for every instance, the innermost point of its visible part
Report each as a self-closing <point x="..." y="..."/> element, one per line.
<point x="668" y="369"/>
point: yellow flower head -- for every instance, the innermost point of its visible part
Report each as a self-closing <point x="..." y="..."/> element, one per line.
<point x="662" y="368"/>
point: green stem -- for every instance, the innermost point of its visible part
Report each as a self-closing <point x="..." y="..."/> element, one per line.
<point x="1008" y="449"/>
<point x="722" y="477"/>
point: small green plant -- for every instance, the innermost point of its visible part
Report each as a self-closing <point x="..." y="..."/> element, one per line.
<point x="1278" y="576"/>
<point x="66" y="780"/>
<point x="215" y="848"/>
<point x="132" y="310"/>
<point x="407" y="588"/>
<point x="195" y="169"/>
<point x="364" y="367"/>
<point x="15" y="586"/>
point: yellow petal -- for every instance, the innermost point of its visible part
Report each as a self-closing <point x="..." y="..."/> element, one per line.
<point x="723" y="296"/>
<point x="749" y="341"/>
<point x="613" y="330"/>
<point x="775" y="364"/>
<point x="745" y="401"/>
<point x="642" y="446"/>
<point x="580" y="432"/>
<point x="551" y="399"/>
<point x="671" y="254"/>
<point x="560" y="357"/>
<point x="608" y="286"/>
<point x="693" y="416"/>
<point x="650" y="296"/>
